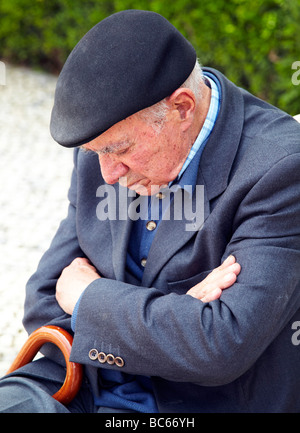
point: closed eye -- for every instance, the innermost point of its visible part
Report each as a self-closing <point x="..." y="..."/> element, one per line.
<point x="120" y="148"/>
<point x="122" y="152"/>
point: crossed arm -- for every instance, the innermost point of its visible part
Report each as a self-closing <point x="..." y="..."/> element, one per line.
<point x="80" y="273"/>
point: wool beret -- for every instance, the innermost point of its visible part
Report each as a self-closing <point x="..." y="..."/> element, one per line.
<point x="127" y="62"/>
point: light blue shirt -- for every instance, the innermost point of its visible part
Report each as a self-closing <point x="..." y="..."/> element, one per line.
<point x="208" y="124"/>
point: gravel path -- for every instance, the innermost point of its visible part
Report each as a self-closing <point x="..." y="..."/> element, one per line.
<point x="34" y="180"/>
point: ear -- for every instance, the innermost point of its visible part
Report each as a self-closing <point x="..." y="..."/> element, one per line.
<point x="183" y="100"/>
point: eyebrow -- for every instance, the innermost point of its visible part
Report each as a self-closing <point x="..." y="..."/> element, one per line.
<point x="109" y="149"/>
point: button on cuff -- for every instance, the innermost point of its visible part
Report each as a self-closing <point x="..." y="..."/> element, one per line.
<point x="119" y="361"/>
<point x="110" y="359"/>
<point x="93" y="354"/>
<point x="102" y="358"/>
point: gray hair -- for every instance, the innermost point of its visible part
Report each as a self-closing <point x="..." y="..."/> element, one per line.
<point x="156" y="114"/>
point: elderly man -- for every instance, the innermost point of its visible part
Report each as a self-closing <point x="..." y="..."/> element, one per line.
<point x="150" y="127"/>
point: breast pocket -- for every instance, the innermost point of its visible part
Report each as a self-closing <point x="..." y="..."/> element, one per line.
<point x="182" y="286"/>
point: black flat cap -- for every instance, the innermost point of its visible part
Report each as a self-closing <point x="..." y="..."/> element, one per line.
<point x="127" y="62"/>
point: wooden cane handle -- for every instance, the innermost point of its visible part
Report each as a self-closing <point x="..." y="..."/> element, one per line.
<point x="63" y="340"/>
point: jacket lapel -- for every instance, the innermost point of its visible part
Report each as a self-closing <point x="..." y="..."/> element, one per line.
<point x="172" y="234"/>
<point x="222" y="146"/>
<point x="120" y="225"/>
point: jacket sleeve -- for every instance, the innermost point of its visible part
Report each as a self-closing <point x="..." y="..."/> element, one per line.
<point x="179" y="338"/>
<point x="41" y="307"/>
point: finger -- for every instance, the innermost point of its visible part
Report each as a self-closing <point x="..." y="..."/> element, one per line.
<point x="208" y="290"/>
<point x="82" y="261"/>
<point x="233" y="269"/>
<point x="201" y="292"/>
<point x="221" y="280"/>
<point x="224" y="278"/>
<point x="229" y="261"/>
<point x="220" y="272"/>
<point x="212" y="296"/>
<point x="228" y="280"/>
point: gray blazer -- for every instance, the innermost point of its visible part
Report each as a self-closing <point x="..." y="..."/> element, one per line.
<point x="235" y="354"/>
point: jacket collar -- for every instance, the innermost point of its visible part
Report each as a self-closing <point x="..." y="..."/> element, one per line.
<point x="222" y="145"/>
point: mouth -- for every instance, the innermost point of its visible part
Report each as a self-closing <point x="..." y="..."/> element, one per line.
<point x="123" y="181"/>
<point x="142" y="186"/>
<point x="138" y="188"/>
<point x="135" y="185"/>
<point x="146" y="190"/>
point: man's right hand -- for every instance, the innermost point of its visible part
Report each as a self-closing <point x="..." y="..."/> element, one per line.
<point x="219" y="279"/>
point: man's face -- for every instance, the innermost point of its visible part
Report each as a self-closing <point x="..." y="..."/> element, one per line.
<point x="136" y="156"/>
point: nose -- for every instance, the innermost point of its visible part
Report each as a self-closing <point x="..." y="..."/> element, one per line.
<point x="111" y="168"/>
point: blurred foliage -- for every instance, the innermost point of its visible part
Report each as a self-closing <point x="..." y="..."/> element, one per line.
<point x="254" y="43"/>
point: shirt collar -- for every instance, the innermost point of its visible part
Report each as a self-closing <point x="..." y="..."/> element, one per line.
<point x="187" y="176"/>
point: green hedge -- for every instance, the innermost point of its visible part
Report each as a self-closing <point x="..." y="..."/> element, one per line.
<point x="255" y="43"/>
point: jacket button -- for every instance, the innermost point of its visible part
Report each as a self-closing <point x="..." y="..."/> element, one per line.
<point x="110" y="359"/>
<point x="143" y="262"/>
<point x="93" y="354"/>
<point x="102" y="357"/>
<point x="119" y="361"/>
